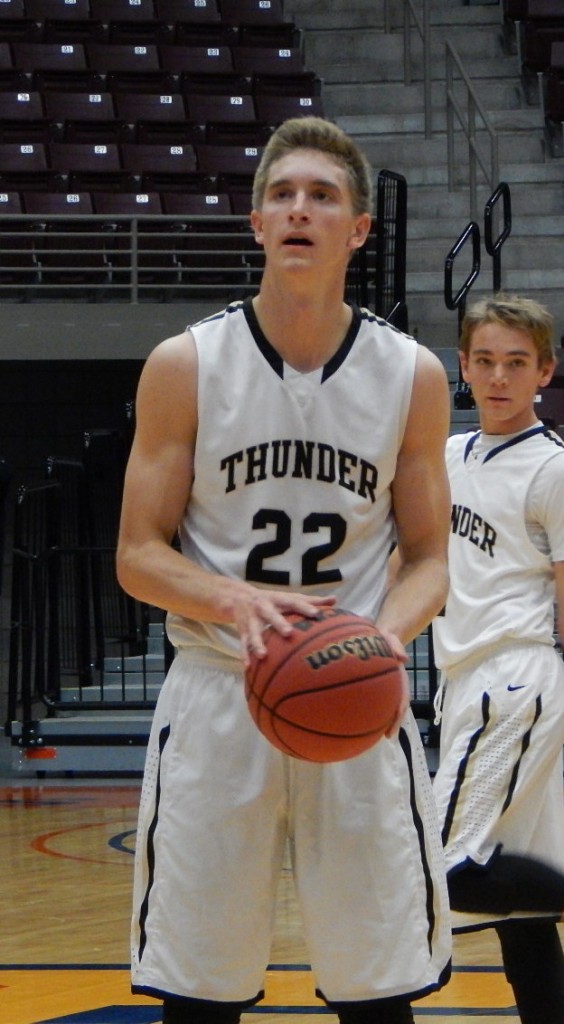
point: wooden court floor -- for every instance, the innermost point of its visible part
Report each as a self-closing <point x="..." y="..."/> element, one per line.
<point x="66" y="858"/>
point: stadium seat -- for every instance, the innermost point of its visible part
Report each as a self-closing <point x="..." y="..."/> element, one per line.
<point x="144" y="159"/>
<point x="122" y="10"/>
<point x="49" y="56"/>
<point x="228" y="159"/>
<point x="150" y="253"/>
<point x="202" y="107"/>
<point x="146" y="108"/>
<point x="275" y="109"/>
<point x="18" y="263"/>
<point x="126" y="57"/>
<point x="10" y="202"/>
<point x="73" y="252"/>
<point x="47" y="203"/>
<point x="194" y="59"/>
<point x="22" y="158"/>
<point x="21" y="106"/>
<point x="197" y="204"/>
<point x="89" y="166"/>
<point x="67" y="156"/>
<point x="61" y="10"/>
<point x="79" y="106"/>
<point x="259" y="60"/>
<point x="127" y="203"/>
<point x="12" y="9"/>
<point x="251" y="12"/>
<point x="202" y="11"/>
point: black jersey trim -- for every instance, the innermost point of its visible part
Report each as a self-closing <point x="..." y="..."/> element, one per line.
<point x="463" y="768"/>
<point x="540" y="429"/>
<point x="150" y="850"/>
<point x="276" y="361"/>
<point x="418" y="824"/>
<point x="269" y="352"/>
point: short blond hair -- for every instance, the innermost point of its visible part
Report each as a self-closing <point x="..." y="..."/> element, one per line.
<point x="326" y="137"/>
<point x="511" y="311"/>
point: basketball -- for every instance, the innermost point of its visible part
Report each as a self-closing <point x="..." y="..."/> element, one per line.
<point x="328" y="691"/>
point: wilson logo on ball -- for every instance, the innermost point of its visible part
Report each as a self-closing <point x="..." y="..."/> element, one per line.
<point x="328" y="691"/>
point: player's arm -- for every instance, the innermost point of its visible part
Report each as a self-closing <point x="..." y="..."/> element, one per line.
<point x="157" y="490"/>
<point x="418" y="579"/>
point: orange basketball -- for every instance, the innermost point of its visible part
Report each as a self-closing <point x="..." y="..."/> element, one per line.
<point x="328" y="691"/>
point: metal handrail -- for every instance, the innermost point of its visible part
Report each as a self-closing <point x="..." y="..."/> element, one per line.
<point x="423" y="27"/>
<point x="468" y="125"/>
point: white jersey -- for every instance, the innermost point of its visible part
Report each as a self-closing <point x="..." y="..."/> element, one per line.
<point x="506" y="594"/>
<point x="292" y="488"/>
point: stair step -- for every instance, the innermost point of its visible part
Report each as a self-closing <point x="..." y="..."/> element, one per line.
<point x="133" y="690"/>
<point x="135" y="663"/>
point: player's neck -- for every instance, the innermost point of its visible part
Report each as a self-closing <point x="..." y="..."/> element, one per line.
<point x="305" y="332"/>
<point x="513" y="425"/>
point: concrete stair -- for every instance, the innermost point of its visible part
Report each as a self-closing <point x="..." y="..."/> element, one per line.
<point x="361" y="66"/>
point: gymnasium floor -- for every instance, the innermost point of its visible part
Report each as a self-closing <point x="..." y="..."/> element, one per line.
<point x="66" y="856"/>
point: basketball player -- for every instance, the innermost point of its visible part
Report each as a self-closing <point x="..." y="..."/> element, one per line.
<point x="499" y="784"/>
<point x="291" y="436"/>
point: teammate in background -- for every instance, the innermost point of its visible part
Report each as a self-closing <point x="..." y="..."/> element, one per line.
<point x="290" y="438"/>
<point x="499" y="784"/>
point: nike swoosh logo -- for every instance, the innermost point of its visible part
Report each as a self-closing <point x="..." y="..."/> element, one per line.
<point x="511" y="688"/>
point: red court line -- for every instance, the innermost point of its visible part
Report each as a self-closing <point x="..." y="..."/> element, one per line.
<point x="40" y="843"/>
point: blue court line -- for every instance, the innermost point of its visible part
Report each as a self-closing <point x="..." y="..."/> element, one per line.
<point x="465" y="969"/>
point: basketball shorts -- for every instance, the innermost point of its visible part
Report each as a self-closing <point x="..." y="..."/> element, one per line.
<point x="499" y="781"/>
<point x="221" y="808"/>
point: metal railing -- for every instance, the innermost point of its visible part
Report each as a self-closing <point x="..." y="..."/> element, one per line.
<point x="476" y="158"/>
<point x="411" y="16"/>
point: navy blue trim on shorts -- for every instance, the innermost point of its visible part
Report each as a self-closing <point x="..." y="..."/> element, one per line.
<point x="418" y="822"/>
<point x="462" y="768"/>
<point x="163" y="738"/>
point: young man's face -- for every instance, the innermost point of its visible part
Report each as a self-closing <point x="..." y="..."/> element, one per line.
<point x="503" y="370"/>
<point x="306" y="221"/>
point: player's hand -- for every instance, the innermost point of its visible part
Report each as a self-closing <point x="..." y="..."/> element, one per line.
<point x="269" y="609"/>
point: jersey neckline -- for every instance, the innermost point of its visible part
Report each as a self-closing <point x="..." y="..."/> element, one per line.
<point x="275" y="359"/>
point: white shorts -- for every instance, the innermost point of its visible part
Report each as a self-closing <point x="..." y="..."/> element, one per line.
<point x="218" y="806"/>
<point x="499" y="781"/>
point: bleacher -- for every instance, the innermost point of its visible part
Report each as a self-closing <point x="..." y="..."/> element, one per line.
<point x="537" y="27"/>
<point x="114" y="109"/>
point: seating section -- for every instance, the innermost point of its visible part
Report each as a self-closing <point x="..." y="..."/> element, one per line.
<point x="537" y="29"/>
<point x="134" y="95"/>
<point x="130" y="131"/>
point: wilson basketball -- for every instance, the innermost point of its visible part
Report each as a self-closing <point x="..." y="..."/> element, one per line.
<point x="328" y="691"/>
